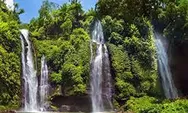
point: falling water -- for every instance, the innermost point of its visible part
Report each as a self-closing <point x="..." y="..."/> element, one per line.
<point x="108" y="78"/>
<point x="99" y="67"/>
<point x="43" y="85"/>
<point x="28" y="74"/>
<point x="166" y="76"/>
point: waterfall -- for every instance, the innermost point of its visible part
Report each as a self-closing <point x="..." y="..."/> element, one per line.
<point x="100" y="69"/>
<point x="43" y="85"/>
<point x="108" y="77"/>
<point x="169" y="88"/>
<point x="28" y="74"/>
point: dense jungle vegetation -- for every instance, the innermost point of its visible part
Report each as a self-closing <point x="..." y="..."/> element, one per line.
<point x="63" y="33"/>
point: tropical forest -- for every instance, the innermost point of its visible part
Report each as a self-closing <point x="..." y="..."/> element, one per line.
<point x="124" y="56"/>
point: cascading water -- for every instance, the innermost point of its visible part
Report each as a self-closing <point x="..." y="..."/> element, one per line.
<point x="99" y="67"/>
<point x="108" y="78"/>
<point x="166" y="76"/>
<point x="96" y="81"/>
<point x="43" y="85"/>
<point x="28" y="74"/>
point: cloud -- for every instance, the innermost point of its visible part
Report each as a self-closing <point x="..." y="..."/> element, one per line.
<point x="10" y="4"/>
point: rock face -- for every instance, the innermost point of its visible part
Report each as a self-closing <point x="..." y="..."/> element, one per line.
<point x="72" y="103"/>
<point x="179" y="67"/>
<point x="8" y="111"/>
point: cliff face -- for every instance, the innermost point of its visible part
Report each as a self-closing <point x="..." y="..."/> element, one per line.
<point x="72" y="103"/>
<point x="179" y="67"/>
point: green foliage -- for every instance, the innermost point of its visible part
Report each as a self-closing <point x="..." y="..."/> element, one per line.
<point x="140" y="43"/>
<point x="9" y="59"/>
<point x="68" y="68"/>
<point x="72" y="78"/>
<point x="152" y="105"/>
<point x="137" y="105"/>
<point x="54" y="21"/>
<point x="176" y="21"/>
<point x="121" y="69"/>
<point x="127" y="9"/>
<point x="56" y="77"/>
<point x="9" y="75"/>
<point x="112" y="26"/>
<point x="67" y="49"/>
<point x="131" y="79"/>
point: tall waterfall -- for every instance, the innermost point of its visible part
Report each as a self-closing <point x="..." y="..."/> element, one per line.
<point x="165" y="73"/>
<point x="28" y="74"/>
<point x="100" y="70"/>
<point x="43" y="84"/>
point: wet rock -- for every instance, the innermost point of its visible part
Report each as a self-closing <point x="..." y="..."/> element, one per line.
<point x="8" y="111"/>
<point x="72" y="103"/>
<point x="179" y="64"/>
<point x="64" y="108"/>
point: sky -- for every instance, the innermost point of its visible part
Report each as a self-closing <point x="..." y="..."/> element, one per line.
<point x="31" y="7"/>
